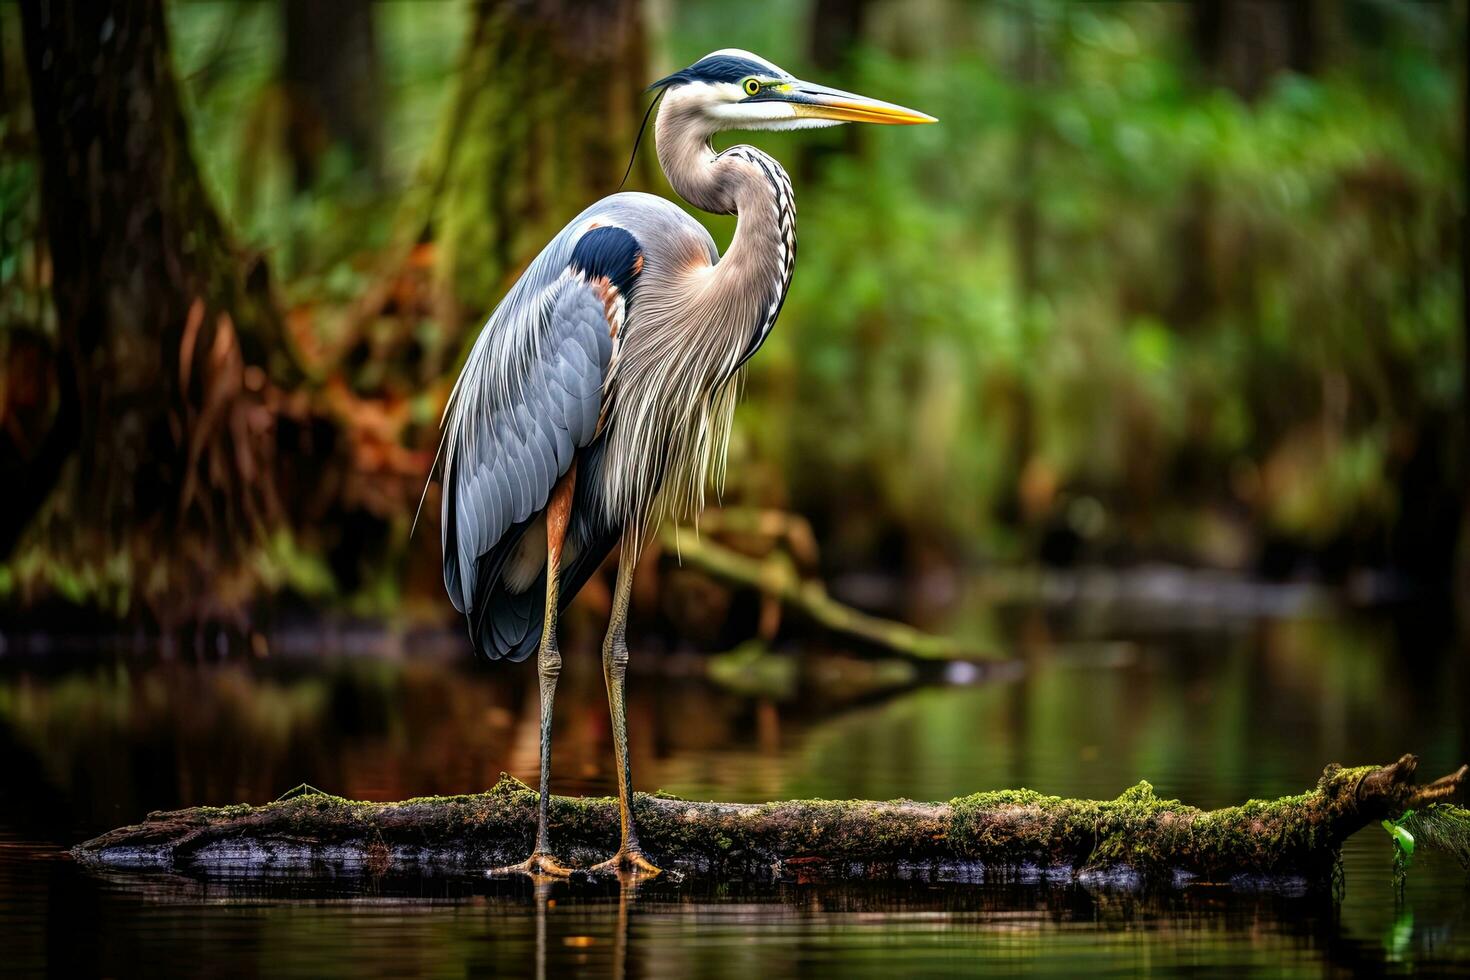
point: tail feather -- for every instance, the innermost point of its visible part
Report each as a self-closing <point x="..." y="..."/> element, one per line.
<point x="507" y="625"/>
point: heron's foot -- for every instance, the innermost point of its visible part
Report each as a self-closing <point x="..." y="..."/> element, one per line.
<point x="541" y="864"/>
<point x="629" y="861"/>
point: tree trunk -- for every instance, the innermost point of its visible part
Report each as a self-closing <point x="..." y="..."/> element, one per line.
<point x="837" y="28"/>
<point x="552" y="94"/>
<point x="1244" y="44"/>
<point x="167" y="336"/>
<point x="1461" y="585"/>
<point x="330" y="72"/>
<point x="1134" y="840"/>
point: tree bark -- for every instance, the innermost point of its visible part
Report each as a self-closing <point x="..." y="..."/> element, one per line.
<point x="167" y="334"/>
<point x="552" y="94"/>
<point x="331" y="75"/>
<point x="1461" y="585"/>
<point x="1134" y="840"/>
<point x="1244" y="44"/>
<point x="837" y="28"/>
<point x="544" y="111"/>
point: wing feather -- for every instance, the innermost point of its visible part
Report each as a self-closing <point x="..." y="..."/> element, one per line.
<point x="529" y="400"/>
<point x="507" y="460"/>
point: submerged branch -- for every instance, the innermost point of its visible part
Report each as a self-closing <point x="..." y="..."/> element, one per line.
<point x="776" y="576"/>
<point x="1134" y="839"/>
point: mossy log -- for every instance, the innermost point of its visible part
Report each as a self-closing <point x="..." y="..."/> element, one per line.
<point x="1134" y="840"/>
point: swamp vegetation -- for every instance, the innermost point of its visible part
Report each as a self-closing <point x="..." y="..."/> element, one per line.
<point x="1114" y="429"/>
<point x="1172" y="282"/>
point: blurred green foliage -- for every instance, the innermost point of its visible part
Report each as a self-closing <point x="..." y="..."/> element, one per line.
<point x="1251" y="305"/>
<point x="1108" y="297"/>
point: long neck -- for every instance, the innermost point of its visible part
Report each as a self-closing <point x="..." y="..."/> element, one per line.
<point x="750" y="280"/>
<point x="675" y="388"/>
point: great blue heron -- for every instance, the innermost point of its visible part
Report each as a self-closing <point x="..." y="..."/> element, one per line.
<point x="598" y="397"/>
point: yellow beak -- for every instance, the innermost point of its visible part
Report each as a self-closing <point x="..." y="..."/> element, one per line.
<point x="819" y="102"/>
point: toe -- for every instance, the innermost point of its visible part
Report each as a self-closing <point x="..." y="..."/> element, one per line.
<point x="538" y="865"/>
<point x="628" y="862"/>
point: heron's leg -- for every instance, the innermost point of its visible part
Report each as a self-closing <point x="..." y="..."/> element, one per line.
<point x="630" y="857"/>
<point x="548" y="668"/>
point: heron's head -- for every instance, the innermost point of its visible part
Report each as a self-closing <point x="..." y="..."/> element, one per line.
<point x="734" y="89"/>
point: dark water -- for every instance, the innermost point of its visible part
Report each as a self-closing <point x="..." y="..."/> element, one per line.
<point x="1210" y="712"/>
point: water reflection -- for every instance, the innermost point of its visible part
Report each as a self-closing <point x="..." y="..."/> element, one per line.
<point x="418" y="927"/>
<point x="1210" y="717"/>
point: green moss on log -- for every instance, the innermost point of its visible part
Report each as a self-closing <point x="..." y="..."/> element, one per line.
<point x="1137" y="838"/>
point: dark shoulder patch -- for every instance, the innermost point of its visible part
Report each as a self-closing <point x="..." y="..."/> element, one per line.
<point x="611" y="253"/>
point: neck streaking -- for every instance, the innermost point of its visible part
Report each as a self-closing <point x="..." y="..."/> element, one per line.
<point x="750" y="281"/>
<point x="776" y="238"/>
<point x="672" y="397"/>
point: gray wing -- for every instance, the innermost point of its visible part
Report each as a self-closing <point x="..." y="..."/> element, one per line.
<point x="517" y="417"/>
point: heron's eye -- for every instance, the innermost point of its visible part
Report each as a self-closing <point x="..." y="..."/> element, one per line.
<point x="752" y="86"/>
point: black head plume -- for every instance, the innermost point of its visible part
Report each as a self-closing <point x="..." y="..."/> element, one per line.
<point x="641" y="127"/>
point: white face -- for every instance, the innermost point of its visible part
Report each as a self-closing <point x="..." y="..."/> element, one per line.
<point x="724" y="103"/>
<point x="765" y="97"/>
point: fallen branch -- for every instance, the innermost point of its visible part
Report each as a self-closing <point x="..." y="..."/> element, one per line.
<point x="776" y="576"/>
<point x="1137" y="838"/>
<point x="768" y="524"/>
